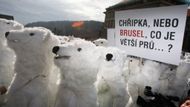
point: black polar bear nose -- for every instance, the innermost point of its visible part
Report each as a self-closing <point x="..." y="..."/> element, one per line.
<point x="55" y="49"/>
<point x="6" y="34"/>
<point x="148" y="91"/>
<point x="109" y="57"/>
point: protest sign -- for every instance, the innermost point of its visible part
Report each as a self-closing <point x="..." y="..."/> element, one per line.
<point x="152" y="33"/>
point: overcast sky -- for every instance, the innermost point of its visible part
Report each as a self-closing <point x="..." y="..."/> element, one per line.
<point x="26" y="11"/>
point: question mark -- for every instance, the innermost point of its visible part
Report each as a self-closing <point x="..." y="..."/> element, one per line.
<point x="170" y="47"/>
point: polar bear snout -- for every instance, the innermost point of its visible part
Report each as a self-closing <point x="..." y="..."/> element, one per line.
<point x="109" y="56"/>
<point x="6" y="34"/>
<point x="55" y="49"/>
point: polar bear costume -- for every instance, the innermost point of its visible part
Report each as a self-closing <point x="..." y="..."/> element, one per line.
<point x="78" y="62"/>
<point x="157" y="75"/>
<point x="7" y="56"/>
<point x="110" y="83"/>
<point x="33" y="65"/>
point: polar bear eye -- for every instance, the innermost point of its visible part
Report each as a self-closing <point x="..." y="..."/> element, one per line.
<point x="31" y="34"/>
<point x="79" y="49"/>
<point x="101" y="42"/>
<point x="8" y="23"/>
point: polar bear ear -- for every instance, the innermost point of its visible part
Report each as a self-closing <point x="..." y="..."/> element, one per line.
<point x="47" y="36"/>
<point x="71" y="38"/>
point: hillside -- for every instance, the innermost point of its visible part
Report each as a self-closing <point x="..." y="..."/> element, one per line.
<point x="85" y="29"/>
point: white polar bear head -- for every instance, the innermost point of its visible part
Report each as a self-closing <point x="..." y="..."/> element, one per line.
<point x="77" y="56"/>
<point x="112" y="62"/>
<point x="101" y="42"/>
<point x="6" y="25"/>
<point x="113" y="56"/>
<point x="31" y="39"/>
<point x="33" y="47"/>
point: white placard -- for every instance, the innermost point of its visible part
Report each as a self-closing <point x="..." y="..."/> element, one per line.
<point x="111" y="37"/>
<point x="152" y="33"/>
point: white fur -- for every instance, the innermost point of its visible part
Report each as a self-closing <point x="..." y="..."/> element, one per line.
<point x="63" y="39"/>
<point x="7" y="25"/>
<point x="7" y="56"/>
<point x="181" y="85"/>
<point x="33" y="65"/>
<point x="101" y="42"/>
<point x="110" y="83"/>
<point x="132" y="67"/>
<point x="158" y="76"/>
<point x="78" y="61"/>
